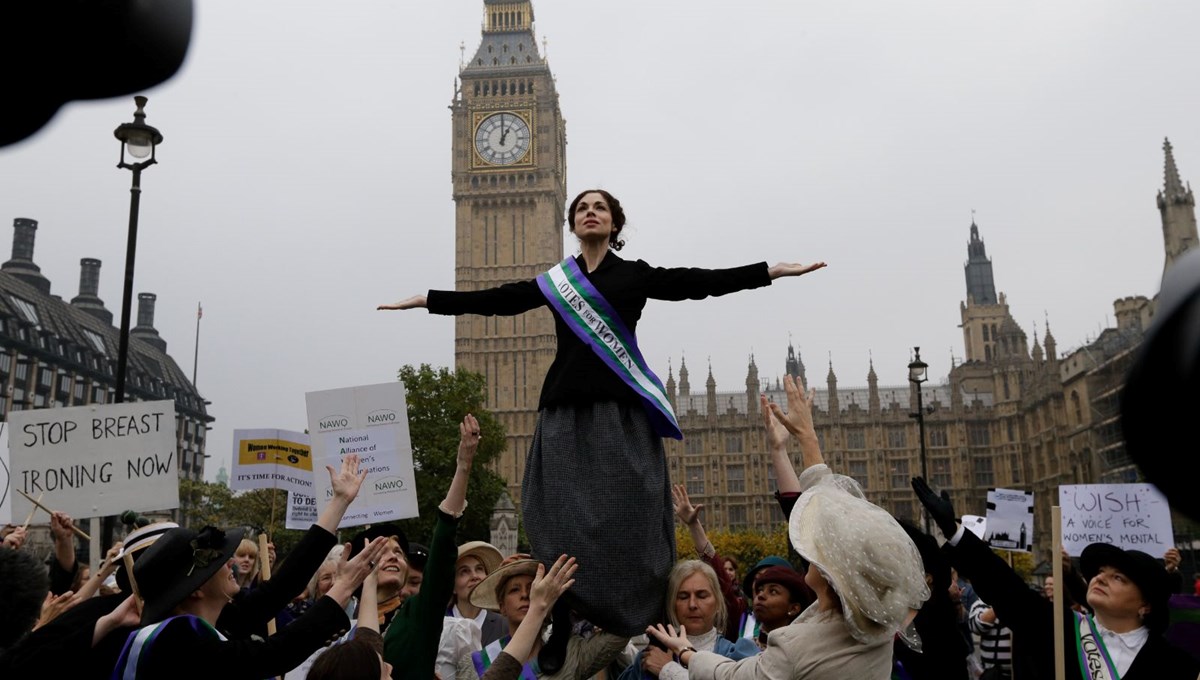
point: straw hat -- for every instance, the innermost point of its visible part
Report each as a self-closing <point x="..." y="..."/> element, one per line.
<point x="485" y="552"/>
<point x="485" y="595"/>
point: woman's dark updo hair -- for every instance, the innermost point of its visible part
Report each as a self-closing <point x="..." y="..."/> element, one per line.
<point x="614" y="208"/>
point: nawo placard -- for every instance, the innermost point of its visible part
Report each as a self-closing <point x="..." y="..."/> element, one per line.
<point x="371" y="421"/>
<point x="92" y="461"/>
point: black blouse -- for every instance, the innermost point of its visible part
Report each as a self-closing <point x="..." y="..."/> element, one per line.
<point x="577" y="375"/>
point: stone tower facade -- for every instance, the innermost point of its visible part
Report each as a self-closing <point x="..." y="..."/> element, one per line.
<point x="1177" y="206"/>
<point x="509" y="177"/>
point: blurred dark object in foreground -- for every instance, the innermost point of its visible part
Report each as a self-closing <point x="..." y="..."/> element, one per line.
<point x="1160" y="405"/>
<point x="56" y="51"/>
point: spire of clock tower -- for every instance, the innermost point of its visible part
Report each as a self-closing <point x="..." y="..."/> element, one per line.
<point x="508" y="151"/>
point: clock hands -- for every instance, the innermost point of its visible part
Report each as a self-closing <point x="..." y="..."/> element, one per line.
<point x="503" y="130"/>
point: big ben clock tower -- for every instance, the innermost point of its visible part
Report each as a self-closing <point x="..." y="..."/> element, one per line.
<point x="510" y="179"/>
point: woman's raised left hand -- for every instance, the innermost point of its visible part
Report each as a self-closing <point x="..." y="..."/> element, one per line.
<point x="793" y="269"/>
<point x="676" y="641"/>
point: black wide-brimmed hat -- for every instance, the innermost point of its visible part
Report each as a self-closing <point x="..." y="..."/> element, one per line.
<point x="1146" y="572"/>
<point x="177" y="564"/>
<point x="1162" y="389"/>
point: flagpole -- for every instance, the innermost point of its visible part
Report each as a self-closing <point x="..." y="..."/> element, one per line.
<point x="196" y="358"/>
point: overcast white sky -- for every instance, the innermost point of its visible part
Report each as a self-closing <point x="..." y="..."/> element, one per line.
<point x="305" y="177"/>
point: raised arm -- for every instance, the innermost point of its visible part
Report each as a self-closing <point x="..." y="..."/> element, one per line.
<point x="505" y="300"/>
<point x="345" y="482"/>
<point x="777" y="436"/>
<point x="468" y="443"/>
<point x="543" y="593"/>
<point x="799" y="421"/>
<point x="690" y="516"/>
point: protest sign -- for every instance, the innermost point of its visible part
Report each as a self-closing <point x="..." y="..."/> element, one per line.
<point x="5" y="478"/>
<point x="1010" y="519"/>
<point x="92" y="461"/>
<point x="271" y="459"/>
<point x="976" y="525"/>
<point x="371" y="421"/>
<point x="301" y="511"/>
<point x="1129" y="516"/>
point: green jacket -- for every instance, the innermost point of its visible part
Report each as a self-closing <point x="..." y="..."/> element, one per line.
<point x="410" y="643"/>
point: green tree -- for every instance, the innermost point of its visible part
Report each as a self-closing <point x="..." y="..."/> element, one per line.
<point x="438" y="399"/>
<point x="203" y="503"/>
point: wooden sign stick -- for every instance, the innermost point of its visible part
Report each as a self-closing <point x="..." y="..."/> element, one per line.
<point x="32" y="511"/>
<point x="1060" y="654"/>
<point x="264" y="571"/>
<point x="78" y="532"/>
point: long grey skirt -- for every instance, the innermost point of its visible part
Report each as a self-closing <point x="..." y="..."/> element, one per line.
<point x="596" y="488"/>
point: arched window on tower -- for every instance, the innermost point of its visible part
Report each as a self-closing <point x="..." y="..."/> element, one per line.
<point x="495" y="61"/>
<point x="1077" y="406"/>
<point x="505" y="47"/>
<point x="522" y="88"/>
<point x="512" y="60"/>
<point x="985" y="333"/>
<point x="987" y="353"/>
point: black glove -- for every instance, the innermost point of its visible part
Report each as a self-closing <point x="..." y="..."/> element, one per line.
<point x="939" y="507"/>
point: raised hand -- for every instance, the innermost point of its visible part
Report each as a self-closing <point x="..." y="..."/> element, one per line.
<point x="55" y="605"/>
<point x="1172" y="558"/>
<point x="548" y="586"/>
<point x="127" y="615"/>
<point x="777" y="434"/>
<point x="61" y="526"/>
<point x="348" y="480"/>
<point x="798" y="419"/>
<point x="15" y="538"/>
<point x="675" y="641"/>
<point x="684" y="510"/>
<point x="351" y="573"/>
<point x="940" y="508"/>
<point x="793" y="269"/>
<point x="414" y="302"/>
<point x="468" y="441"/>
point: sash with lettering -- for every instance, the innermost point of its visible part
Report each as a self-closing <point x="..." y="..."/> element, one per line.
<point x="484" y="658"/>
<point x="1094" y="661"/>
<point x="598" y="325"/>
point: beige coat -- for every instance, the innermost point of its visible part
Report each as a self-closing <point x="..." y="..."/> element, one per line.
<point x="818" y="649"/>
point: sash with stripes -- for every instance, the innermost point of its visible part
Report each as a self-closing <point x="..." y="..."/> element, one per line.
<point x="141" y="640"/>
<point x="1094" y="660"/>
<point x="748" y="626"/>
<point x="484" y="658"/>
<point x="597" y="324"/>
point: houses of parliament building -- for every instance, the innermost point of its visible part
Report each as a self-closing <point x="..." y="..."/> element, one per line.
<point x="1013" y="414"/>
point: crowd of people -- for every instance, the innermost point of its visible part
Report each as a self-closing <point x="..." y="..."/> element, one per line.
<point x="601" y="594"/>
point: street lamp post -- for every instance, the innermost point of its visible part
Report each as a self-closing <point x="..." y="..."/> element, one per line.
<point x="918" y="372"/>
<point x="140" y="140"/>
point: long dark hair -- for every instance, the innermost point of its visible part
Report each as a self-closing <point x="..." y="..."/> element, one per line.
<point x="614" y="208"/>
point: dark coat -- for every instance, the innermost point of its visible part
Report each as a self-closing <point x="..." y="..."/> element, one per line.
<point x="65" y="644"/>
<point x="1031" y="619"/>
<point x="180" y="652"/>
<point x="494" y="628"/>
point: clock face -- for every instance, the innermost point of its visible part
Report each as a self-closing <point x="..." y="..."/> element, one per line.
<point x="502" y="138"/>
